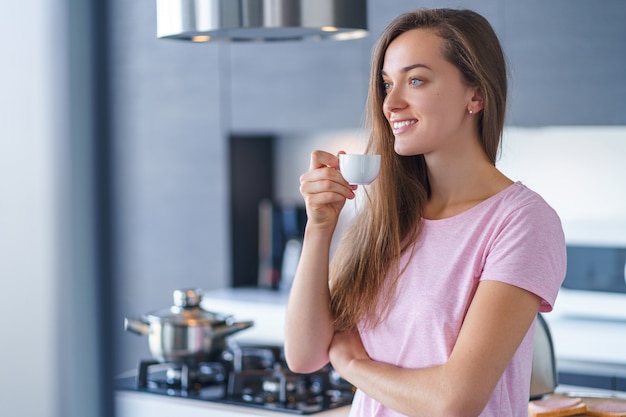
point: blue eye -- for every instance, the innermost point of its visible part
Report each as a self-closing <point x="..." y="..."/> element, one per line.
<point x="386" y="86"/>
<point x="415" y="82"/>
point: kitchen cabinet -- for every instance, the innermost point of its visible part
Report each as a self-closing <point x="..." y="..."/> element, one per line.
<point x="609" y="376"/>
<point x="304" y="86"/>
<point x="566" y="59"/>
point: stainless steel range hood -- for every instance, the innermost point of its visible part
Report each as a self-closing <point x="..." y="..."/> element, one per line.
<point x="261" y="20"/>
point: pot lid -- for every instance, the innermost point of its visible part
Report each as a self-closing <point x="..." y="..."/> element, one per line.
<point x="261" y="20"/>
<point x="188" y="311"/>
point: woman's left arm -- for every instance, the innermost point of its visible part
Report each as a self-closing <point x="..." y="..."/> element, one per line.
<point x="499" y="317"/>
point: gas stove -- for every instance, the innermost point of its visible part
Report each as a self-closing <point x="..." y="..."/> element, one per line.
<point x="246" y="375"/>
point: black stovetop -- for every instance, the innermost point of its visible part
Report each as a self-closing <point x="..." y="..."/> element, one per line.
<point x="260" y="379"/>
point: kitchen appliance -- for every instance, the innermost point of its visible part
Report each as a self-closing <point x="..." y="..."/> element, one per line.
<point x="249" y="376"/>
<point x="223" y="376"/>
<point x="544" y="377"/>
<point x="186" y="332"/>
<point x="281" y="231"/>
<point x="261" y="20"/>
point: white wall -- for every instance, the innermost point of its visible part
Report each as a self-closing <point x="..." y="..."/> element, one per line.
<point x="28" y="190"/>
<point x="580" y="171"/>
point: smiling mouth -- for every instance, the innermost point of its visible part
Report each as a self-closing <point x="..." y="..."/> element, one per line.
<point x="401" y="126"/>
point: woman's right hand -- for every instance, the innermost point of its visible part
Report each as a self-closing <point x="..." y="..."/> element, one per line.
<point x="309" y="324"/>
<point x="324" y="189"/>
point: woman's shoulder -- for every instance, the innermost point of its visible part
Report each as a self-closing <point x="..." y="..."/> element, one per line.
<point x="524" y="210"/>
<point x="518" y="196"/>
<point x="518" y="204"/>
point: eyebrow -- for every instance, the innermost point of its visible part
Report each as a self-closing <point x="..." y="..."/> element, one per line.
<point x="409" y="68"/>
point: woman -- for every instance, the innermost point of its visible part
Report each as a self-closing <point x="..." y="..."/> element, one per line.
<point x="436" y="285"/>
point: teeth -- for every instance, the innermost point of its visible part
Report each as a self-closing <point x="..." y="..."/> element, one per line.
<point x="398" y="125"/>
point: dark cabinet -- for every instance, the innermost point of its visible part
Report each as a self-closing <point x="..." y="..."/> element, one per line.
<point x="596" y="268"/>
<point x="585" y="380"/>
<point x="592" y="375"/>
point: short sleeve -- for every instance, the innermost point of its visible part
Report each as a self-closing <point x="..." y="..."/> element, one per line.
<point x="529" y="252"/>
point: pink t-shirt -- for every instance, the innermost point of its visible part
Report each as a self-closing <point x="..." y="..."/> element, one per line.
<point x="512" y="237"/>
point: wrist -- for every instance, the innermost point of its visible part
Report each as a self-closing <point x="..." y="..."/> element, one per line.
<point x="320" y="230"/>
<point x="351" y="368"/>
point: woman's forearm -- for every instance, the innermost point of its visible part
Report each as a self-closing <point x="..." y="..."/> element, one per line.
<point x="497" y="321"/>
<point x="309" y="322"/>
<point x="414" y="392"/>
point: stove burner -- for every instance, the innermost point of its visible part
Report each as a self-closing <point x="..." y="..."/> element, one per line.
<point x="272" y="386"/>
<point x="154" y="374"/>
<point x="246" y="375"/>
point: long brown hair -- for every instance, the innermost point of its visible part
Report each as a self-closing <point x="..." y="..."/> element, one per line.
<point x="365" y="267"/>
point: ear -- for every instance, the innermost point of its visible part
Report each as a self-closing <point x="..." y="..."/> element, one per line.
<point x="475" y="103"/>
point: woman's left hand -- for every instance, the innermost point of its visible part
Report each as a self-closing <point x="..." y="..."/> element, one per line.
<point x="344" y="348"/>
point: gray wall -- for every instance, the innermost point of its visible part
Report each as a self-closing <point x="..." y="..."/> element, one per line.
<point x="176" y="103"/>
<point x="28" y="206"/>
<point x="51" y="341"/>
<point x="170" y="167"/>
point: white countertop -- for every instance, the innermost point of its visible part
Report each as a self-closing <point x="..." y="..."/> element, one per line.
<point x="137" y="404"/>
<point x="267" y="308"/>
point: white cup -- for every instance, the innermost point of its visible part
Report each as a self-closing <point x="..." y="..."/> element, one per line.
<point x="359" y="168"/>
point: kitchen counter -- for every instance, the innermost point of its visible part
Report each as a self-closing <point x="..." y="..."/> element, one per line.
<point x="596" y="342"/>
<point x="590" y="396"/>
<point x="267" y="308"/>
<point x="134" y="404"/>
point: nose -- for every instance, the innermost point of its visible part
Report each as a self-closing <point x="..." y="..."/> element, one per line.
<point x="393" y="101"/>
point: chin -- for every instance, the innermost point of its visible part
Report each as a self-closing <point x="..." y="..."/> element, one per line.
<point x="403" y="151"/>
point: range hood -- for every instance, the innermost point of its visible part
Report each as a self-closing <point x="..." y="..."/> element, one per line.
<point x="261" y="20"/>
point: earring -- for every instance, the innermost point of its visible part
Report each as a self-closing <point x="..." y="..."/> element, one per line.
<point x="470" y="111"/>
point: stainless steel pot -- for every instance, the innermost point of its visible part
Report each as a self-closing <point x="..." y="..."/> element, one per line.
<point x="185" y="332"/>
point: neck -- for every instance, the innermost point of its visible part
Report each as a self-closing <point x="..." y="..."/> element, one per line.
<point x="461" y="180"/>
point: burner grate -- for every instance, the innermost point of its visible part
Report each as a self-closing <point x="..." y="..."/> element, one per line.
<point x="248" y="376"/>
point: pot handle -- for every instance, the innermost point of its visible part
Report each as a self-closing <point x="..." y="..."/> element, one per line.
<point x="136" y="326"/>
<point x="228" y="329"/>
